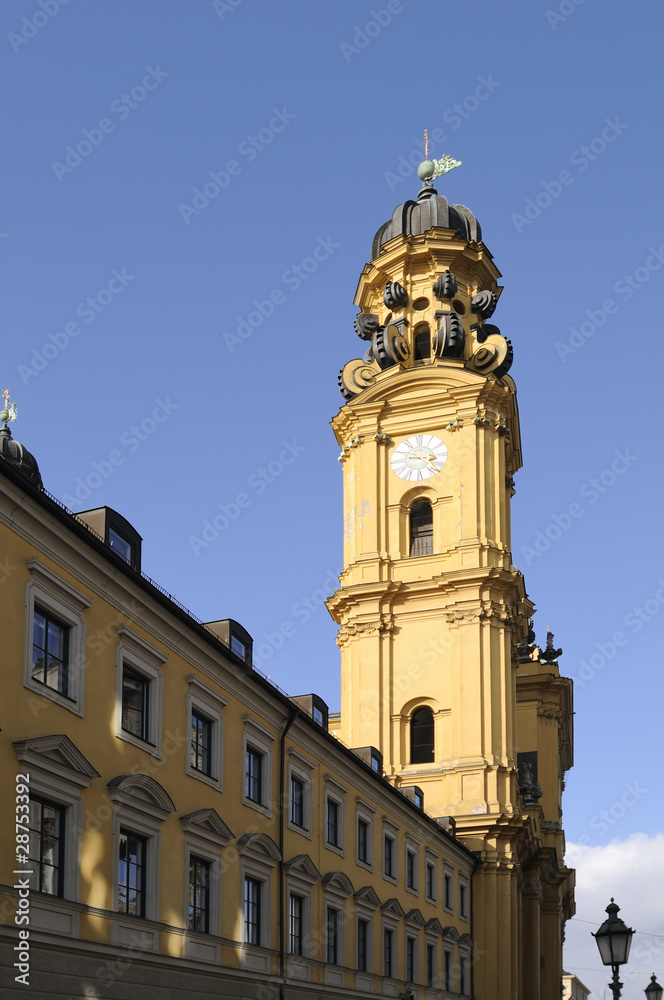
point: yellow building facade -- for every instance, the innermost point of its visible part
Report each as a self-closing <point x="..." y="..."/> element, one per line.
<point x="177" y="826"/>
<point x="439" y="670"/>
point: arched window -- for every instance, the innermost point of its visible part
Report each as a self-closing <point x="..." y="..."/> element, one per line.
<point x="421" y="529"/>
<point x="422" y="343"/>
<point x="421" y="736"/>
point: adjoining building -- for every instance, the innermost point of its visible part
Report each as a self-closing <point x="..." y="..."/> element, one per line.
<point x="182" y="827"/>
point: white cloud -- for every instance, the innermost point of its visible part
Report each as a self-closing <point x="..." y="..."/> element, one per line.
<point x="632" y="871"/>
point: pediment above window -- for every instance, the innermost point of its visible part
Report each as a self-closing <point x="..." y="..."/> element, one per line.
<point x="366" y="896"/>
<point x="208" y="824"/>
<point x="302" y="866"/>
<point x="415" y="918"/>
<point x="58" y="755"/>
<point x="142" y="793"/>
<point x="393" y="908"/>
<point x="338" y="882"/>
<point x="259" y="846"/>
<point x="434" y="926"/>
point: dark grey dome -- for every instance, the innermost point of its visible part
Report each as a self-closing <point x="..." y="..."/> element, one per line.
<point x="417" y="217"/>
<point x="19" y="456"/>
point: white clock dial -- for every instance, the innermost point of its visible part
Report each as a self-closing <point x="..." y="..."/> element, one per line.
<point x="419" y="457"/>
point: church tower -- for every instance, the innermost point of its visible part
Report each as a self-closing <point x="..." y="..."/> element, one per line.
<point x="440" y="672"/>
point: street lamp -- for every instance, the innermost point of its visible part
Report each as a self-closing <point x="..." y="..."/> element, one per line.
<point x="614" y="940"/>
<point x="653" y="990"/>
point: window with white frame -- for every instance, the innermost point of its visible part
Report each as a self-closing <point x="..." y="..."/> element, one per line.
<point x="389" y="857"/>
<point x="411" y="868"/>
<point x="206" y="835"/>
<point x="364" y="943"/>
<point x="431" y="877"/>
<point x="411" y="959"/>
<point x="448" y="976"/>
<point x="389" y="951"/>
<point x="141" y="805"/>
<point x="299" y="793"/>
<point x="257" y="763"/>
<point x="205" y="756"/>
<point x="337" y="888"/>
<point x="259" y="855"/>
<point x="431" y="971"/>
<point x="364" y="833"/>
<point x="333" y="934"/>
<point x="139" y="691"/>
<point x="463" y="898"/>
<point x="54" y="638"/>
<point x="448" y="890"/>
<point x="50" y="811"/>
<point x="301" y="875"/>
<point x="334" y="805"/>
<point x="296" y="905"/>
<point x="463" y="974"/>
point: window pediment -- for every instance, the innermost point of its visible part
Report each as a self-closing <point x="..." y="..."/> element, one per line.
<point x="339" y="883"/>
<point x="366" y="896"/>
<point x="303" y="866"/>
<point x="207" y="823"/>
<point x="415" y="918"/>
<point x="260" y="846"/>
<point x="393" y="907"/>
<point x="451" y="933"/>
<point x="143" y="793"/>
<point x="434" y="926"/>
<point x="57" y="753"/>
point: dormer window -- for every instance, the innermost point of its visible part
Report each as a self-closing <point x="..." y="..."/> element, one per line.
<point x="238" y="647"/>
<point x="119" y="544"/>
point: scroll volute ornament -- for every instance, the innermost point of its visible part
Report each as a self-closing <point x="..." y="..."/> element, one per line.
<point x="445" y="285"/>
<point x="395" y="295"/>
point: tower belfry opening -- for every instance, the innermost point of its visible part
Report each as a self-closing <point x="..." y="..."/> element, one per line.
<point x="440" y="671"/>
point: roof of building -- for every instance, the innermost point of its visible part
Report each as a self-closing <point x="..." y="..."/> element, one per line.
<point x="430" y="210"/>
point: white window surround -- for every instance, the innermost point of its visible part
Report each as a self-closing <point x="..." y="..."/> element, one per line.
<point x="259" y="855"/>
<point x="335" y="792"/>
<point x="448" y="872"/>
<point x="464" y="912"/>
<point x="299" y="767"/>
<point x="431" y="864"/>
<point x="301" y="875"/>
<point x="361" y="813"/>
<point x="362" y="913"/>
<point x="260" y="738"/>
<point x="210" y="704"/>
<point x="411" y="849"/>
<point x="145" y="659"/>
<point x="58" y="772"/>
<point x="47" y="590"/>
<point x="141" y="805"/>
<point x="206" y="835"/>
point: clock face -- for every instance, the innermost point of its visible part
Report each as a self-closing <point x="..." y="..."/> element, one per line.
<point x="419" y="457"/>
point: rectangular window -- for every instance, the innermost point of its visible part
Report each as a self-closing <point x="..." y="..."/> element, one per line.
<point x="431" y="881"/>
<point x="447" y="892"/>
<point x="295" y="924"/>
<point x="431" y="965"/>
<point x="297" y="801"/>
<point x="254" y="775"/>
<point x="201" y="740"/>
<point x="119" y="544"/>
<point x="411" y="870"/>
<point x="363" y="840"/>
<point x="388" y="856"/>
<point x="462" y="975"/>
<point x="199" y="895"/>
<point x="388" y="952"/>
<point x="463" y="900"/>
<point x="253" y="892"/>
<point x="50" y="649"/>
<point x="332" y="936"/>
<point x="362" y="945"/>
<point x="46" y="846"/>
<point x="135" y="705"/>
<point x="333" y="823"/>
<point x="410" y="959"/>
<point x="447" y="971"/>
<point x="238" y="647"/>
<point x="131" y="874"/>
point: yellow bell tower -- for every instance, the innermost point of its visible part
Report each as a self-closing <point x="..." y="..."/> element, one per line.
<point x="439" y="670"/>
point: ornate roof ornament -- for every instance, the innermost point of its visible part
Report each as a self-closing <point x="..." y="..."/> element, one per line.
<point x="550" y="655"/>
<point x="8" y="413"/>
<point x="13" y="451"/>
<point x="428" y="170"/>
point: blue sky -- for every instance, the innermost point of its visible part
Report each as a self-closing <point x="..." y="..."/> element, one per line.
<point x="124" y="291"/>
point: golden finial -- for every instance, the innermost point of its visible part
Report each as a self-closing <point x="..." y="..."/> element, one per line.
<point x="426" y="144"/>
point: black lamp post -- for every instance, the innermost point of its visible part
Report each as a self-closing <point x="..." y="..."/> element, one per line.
<point x="653" y="990"/>
<point x="614" y="940"/>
